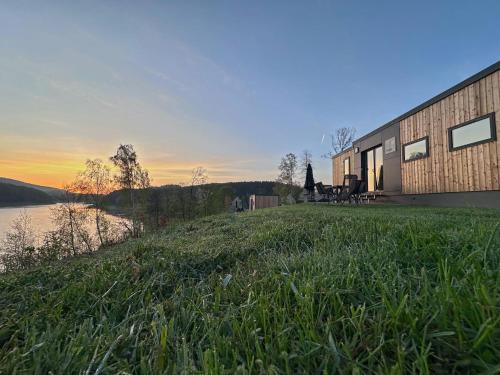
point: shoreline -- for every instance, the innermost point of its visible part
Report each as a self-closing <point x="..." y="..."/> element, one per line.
<point x="31" y="204"/>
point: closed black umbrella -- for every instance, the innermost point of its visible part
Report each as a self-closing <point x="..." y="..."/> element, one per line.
<point x="309" y="184"/>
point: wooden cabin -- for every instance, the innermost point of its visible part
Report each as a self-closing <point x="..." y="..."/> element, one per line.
<point x="263" y="201"/>
<point x="444" y="151"/>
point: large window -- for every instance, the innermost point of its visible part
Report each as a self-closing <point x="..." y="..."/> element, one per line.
<point x="416" y="150"/>
<point x="479" y="130"/>
<point x="347" y="166"/>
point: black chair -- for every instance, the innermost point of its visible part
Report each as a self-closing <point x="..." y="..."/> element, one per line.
<point x="361" y="191"/>
<point x="350" y="189"/>
<point x="358" y="189"/>
<point x="326" y="193"/>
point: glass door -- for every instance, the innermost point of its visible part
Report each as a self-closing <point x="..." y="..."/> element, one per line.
<point x="374" y="169"/>
<point x="379" y="169"/>
<point x="370" y="161"/>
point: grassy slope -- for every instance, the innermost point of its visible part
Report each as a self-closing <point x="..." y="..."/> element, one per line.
<point x="313" y="288"/>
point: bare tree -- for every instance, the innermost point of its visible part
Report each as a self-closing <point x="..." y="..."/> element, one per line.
<point x="288" y="169"/>
<point x="143" y="179"/>
<point x="130" y="177"/>
<point x="71" y="219"/>
<point x="305" y="160"/>
<point x="286" y="179"/>
<point x="181" y="199"/>
<point x="157" y="207"/>
<point x="340" y="139"/>
<point x="198" y="177"/>
<point x="95" y="181"/>
<point x="18" y="247"/>
<point x="204" y="198"/>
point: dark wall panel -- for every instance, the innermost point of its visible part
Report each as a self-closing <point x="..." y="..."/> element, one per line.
<point x="392" y="161"/>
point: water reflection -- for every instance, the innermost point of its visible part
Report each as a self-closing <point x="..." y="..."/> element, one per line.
<point x="41" y="219"/>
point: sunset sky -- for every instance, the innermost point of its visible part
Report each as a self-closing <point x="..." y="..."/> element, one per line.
<point x="228" y="85"/>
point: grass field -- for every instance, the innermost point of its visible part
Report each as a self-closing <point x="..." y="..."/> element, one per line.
<point x="300" y="289"/>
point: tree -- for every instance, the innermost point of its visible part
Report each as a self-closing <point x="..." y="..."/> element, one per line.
<point x="340" y="139"/>
<point x="286" y="179"/>
<point x="155" y="207"/>
<point x="306" y="159"/>
<point x="309" y="183"/>
<point x="130" y="177"/>
<point x="288" y="169"/>
<point x="95" y="182"/>
<point x="204" y="196"/>
<point x="18" y="247"/>
<point x="182" y="199"/>
<point x="198" y="177"/>
<point x="71" y="220"/>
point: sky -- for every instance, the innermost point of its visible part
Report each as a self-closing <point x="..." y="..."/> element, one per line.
<point x="228" y="85"/>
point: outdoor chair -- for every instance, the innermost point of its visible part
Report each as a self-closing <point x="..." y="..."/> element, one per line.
<point x="326" y="193"/>
<point x="358" y="189"/>
<point x="350" y="189"/>
<point x="361" y="191"/>
<point x="367" y="196"/>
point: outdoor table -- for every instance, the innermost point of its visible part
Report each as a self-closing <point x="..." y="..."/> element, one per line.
<point x="337" y="188"/>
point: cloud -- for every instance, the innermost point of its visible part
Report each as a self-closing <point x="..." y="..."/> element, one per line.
<point x="81" y="91"/>
<point x="57" y="123"/>
<point x="164" y="77"/>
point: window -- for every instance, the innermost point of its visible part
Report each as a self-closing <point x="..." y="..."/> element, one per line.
<point x="416" y="150"/>
<point x="347" y="166"/>
<point x="474" y="132"/>
<point x="390" y="145"/>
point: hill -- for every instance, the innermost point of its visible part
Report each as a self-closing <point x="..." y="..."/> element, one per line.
<point x="16" y="195"/>
<point x="298" y="289"/>
<point x="174" y="201"/>
<point x="53" y="192"/>
<point x="233" y="189"/>
<point x="244" y="189"/>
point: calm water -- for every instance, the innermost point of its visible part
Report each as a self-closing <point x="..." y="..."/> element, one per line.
<point x="40" y="218"/>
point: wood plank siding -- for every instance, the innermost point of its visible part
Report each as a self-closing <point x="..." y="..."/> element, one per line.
<point x="338" y="166"/>
<point x="263" y="201"/>
<point x="474" y="168"/>
<point x="466" y="168"/>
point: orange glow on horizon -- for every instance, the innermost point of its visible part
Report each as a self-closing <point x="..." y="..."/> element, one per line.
<point x="41" y="172"/>
<point x="57" y="164"/>
<point x="59" y="171"/>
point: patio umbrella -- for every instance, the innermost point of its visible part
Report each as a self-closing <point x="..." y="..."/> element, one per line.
<point x="309" y="184"/>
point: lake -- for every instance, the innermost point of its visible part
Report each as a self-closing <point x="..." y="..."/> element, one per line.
<point x="40" y="218"/>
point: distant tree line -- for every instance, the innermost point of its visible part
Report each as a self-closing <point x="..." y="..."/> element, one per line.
<point x="171" y="203"/>
<point x="11" y="194"/>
